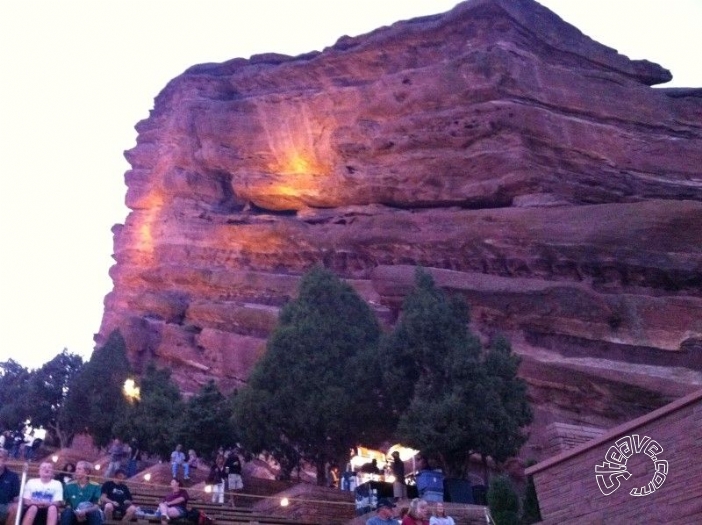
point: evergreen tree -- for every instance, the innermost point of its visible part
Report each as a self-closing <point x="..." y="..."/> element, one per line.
<point x="47" y="390"/>
<point x="433" y="376"/>
<point x="451" y="399"/>
<point x="313" y="395"/>
<point x="206" y="423"/>
<point x="503" y="502"/>
<point x="13" y="379"/>
<point x="507" y="410"/>
<point x="255" y="413"/>
<point x="95" y="399"/>
<point x="156" y="420"/>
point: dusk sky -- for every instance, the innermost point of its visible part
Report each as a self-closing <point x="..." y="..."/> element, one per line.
<point x="78" y="75"/>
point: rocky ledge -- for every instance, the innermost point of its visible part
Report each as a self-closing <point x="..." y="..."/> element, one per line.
<point x="528" y="167"/>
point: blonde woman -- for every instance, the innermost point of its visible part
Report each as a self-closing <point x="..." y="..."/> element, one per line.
<point x="440" y="517"/>
<point x="418" y="513"/>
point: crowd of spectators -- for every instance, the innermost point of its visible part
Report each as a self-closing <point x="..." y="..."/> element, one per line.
<point x="419" y="512"/>
<point x="71" y="497"/>
<point x="23" y="442"/>
<point x="75" y="499"/>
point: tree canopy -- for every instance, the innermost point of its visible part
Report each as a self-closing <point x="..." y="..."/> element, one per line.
<point x="156" y="420"/>
<point x="95" y="399"/>
<point x="47" y="390"/>
<point x="206" y="423"/>
<point x="451" y="398"/>
<point x="506" y="410"/>
<point x="13" y="379"/>
<point x="329" y="380"/>
<point x="314" y="393"/>
<point x="37" y="395"/>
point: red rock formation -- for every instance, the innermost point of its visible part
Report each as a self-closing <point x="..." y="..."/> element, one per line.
<point x="528" y="167"/>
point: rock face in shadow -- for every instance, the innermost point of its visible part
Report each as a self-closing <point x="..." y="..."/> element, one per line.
<point x="528" y="167"/>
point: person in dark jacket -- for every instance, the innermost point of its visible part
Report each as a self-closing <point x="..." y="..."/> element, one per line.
<point x="9" y="489"/>
<point x="399" y="489"/>
<point x="218" y="479"/>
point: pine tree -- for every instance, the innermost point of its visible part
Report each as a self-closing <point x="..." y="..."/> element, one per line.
<point x="451" y="398"/>
<point x="311" y="396"/>
<point x="206" y="424"/>
<point x="95" y="399"/>
<point x="503" y="502"/>
<point x="13" y="378"/>
<point x="433" y="376"/>
<point x="507" y="409"/>
<point x="156" y="420"/>
<point x="47" y="390"/>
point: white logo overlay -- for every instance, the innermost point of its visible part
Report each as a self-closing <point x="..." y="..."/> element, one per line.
<point x="610" y="473"/>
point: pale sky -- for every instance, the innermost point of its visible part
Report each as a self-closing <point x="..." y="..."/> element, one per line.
<point x="77" y="75"/>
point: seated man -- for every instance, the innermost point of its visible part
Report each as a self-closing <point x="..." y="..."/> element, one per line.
<point x="42" y="496"/>
<point x="9" y="490"/>
<point x="385" y="514"/>
<point x="116" y="499"/>
<point x="82" y="497"/>
<point x="177" y="460"/>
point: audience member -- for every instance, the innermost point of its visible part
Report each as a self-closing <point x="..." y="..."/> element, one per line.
<point x="82" y="498"/>
<point x="349" y="479"/>
<point x="439" y="517"/>
<point x="116" y="498"/>
<point x="417" y="515"/>
<point x="178" y="460"/>
<point x="399" y="489"/>
<point x="42" y="496"/>
<point x="333" y="476"/>
<point x="175" y="504"/>
<point x="193" y="460"/>
<point x="9" y="489"/>
<point x="233" y="465"/>
<point x="117" y="453"/>
<point x="17" y="441"/>
<point x="65" y="475"/>
<point x="218" y="479"/>
<point x="134" y="458"/>
<point x="385" y="514"/>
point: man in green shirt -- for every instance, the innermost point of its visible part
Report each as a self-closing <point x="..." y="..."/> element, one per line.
<point x="82" y="497"/>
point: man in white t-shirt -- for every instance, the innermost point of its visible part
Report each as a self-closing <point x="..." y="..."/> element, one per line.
<point x="42" y="496"/>
<point x="177" y="460"/>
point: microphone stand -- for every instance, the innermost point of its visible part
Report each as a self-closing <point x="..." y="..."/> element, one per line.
<point x="25" y="469"/>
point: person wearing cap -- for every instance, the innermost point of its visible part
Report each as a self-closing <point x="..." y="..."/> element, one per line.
<point x="9" y="489"/>
<point x="385" y="513"/>
<point x="116" y="498"/>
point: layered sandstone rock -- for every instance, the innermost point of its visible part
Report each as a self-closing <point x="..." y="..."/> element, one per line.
<point x="530" y="168"/>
